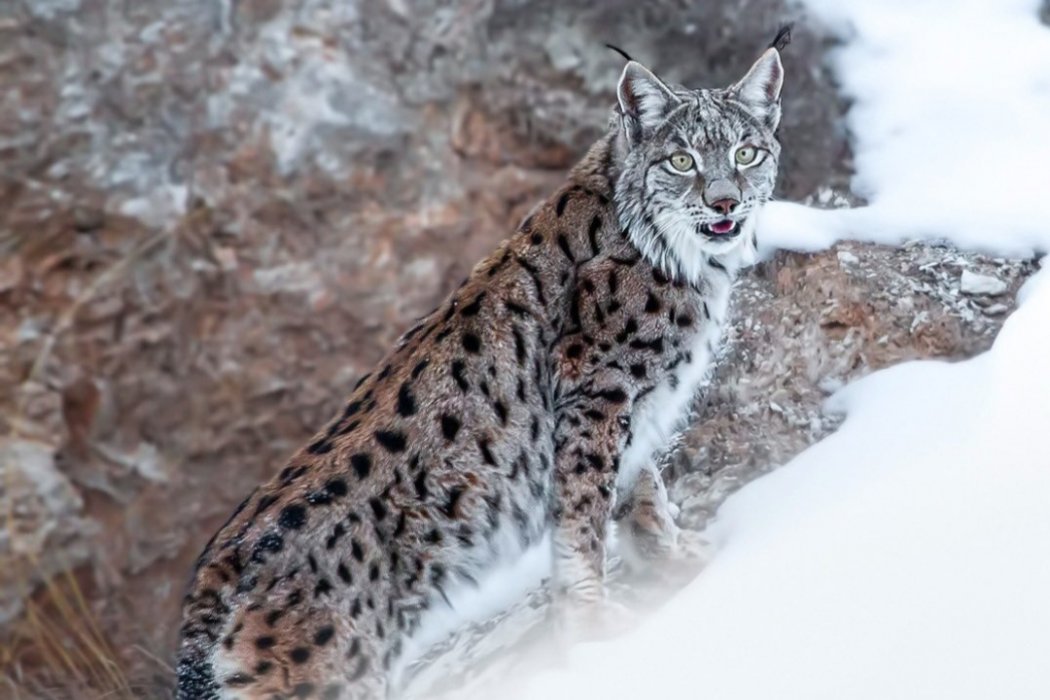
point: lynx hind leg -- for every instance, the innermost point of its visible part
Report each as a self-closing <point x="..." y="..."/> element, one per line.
<point x="648" y="532"/>
<point x="285" y="652"/>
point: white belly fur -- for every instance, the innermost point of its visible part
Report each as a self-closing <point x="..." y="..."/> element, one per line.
<point x="663" y="413"/>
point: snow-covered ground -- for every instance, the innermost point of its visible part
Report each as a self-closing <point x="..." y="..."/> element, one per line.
<point x="908" y="555"/>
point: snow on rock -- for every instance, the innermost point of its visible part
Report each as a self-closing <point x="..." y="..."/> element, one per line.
<point x="974" y="284"/>
<point x="949" y="104"/>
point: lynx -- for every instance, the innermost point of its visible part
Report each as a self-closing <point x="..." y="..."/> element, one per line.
<point x="525" y="407"/>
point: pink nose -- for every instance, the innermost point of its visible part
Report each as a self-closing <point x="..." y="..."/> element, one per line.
<point x="726" y="206"/>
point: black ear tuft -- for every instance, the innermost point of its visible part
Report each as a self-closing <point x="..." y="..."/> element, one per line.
<point x="620" y="51"/>
<point x="783" y="37"/>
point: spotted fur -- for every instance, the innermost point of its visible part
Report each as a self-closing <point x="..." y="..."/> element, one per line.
<point x="528" y="403"/>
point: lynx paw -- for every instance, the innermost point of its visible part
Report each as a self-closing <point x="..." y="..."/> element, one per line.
<point x="691" y="546"/>
<point x="590" y="621"/>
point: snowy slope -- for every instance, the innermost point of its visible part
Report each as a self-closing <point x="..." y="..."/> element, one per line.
<point x="908" y="555"/>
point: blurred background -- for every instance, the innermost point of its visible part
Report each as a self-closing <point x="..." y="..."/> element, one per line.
<point x="216" y="214"/>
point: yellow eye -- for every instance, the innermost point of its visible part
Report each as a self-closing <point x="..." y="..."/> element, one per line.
<point x="681" y="161"/>
<point x="745" y="155"/>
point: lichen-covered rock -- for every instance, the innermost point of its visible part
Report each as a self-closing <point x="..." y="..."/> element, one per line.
<point x="806" y="324"/>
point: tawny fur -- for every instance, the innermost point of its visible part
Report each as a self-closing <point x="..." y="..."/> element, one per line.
<point x="520" y="406"/>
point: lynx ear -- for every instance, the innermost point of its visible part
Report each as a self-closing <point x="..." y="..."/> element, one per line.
<point x="644" y="100"/>
<point x="760" y="88"/>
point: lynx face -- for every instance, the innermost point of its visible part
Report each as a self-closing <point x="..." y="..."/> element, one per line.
<point x="700" y="163"/>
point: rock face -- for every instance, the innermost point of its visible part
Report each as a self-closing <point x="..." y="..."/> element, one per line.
<point x="808" y="324"/>
<point x="217" y="215"/>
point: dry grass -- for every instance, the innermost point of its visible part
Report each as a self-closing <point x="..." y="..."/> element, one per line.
<point x="57" y="649"/>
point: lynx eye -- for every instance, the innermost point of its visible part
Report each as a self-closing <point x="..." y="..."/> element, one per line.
<point x="681" y="161"/>
<point x="745" y="155"/>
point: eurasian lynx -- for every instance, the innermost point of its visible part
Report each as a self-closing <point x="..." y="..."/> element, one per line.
<point x="525" y="404"/>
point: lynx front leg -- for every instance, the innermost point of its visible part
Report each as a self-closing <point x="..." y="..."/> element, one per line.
<point x="648" y="528"/>
<point x="586" y="458"/>
<point x="590" y="437"/>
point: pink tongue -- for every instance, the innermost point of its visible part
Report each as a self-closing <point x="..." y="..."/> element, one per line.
<point x="722" y="226"/>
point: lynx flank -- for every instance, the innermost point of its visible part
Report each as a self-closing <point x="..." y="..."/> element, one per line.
<point x="531" y="401"/>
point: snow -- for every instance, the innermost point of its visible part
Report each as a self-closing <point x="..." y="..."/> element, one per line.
<point x="974" y="283"/>
<point x="950" y="109"/>
<point x="908" y="554"/>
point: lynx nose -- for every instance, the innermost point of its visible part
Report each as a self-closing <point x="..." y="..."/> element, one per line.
<point x="726" y="206"/>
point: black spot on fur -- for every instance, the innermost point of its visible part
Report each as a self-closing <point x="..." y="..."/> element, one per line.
<point x="292" y="517"/>
<point x="516" y="308"/>
<point x="656" y="344"/>
<point x="344" y="574"/>
<point x="559" y="208"/>
<point x="563" y="245"/>
<point x="362" y="464"/>
<point x="299" y="655"/>
<point x="592" y="233"/>
<point x="406" y="402"/>
<point x="454" y="494"/>
<point x="458" y="366"/>
<point x="320" y="446"/>
<point x="474" y="307"/>
<point x="421" y="485"/>
<point x="379" y="509"/>
<point x="391" y="440"/>
<point x="264" y="643"/>
<point x="626" y="262"/>
<point x="324" y="635"/>
<point x="519" y="345"/>
<point x="652" y="304"/>
<point x="289" y="474"/>
<point x="471" y="343"/>
<point x="264" y="503"/>
<point x="450" y="426"/>
<point x="323" y="587"/>
<point x="270" y="542"/>
<point x="485" y="446"/>
<point x="534" y="275"/>
<point x="615" y="395"/>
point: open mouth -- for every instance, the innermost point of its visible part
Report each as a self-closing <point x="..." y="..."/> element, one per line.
<point x="725" y="228"/>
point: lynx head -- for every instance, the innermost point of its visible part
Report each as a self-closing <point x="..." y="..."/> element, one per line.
<point x="696" y="165"/>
